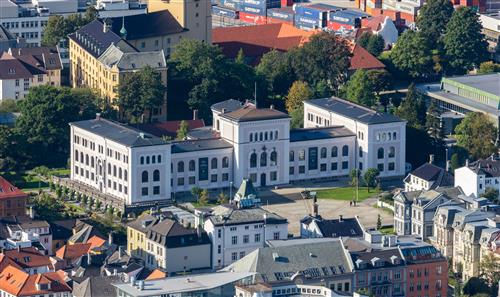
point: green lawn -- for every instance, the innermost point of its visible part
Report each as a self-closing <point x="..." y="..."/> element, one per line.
<point x="346" y="193"/>
<point x="387" y="230"/>
<point x="28" y="182"/>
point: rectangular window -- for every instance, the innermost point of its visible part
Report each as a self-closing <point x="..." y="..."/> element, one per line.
<point x="144" y="191"/>
<point x="257" y="237"/>
<point x="213" y="178"/>
<point x="291" y="170"/>
<point x="225" y="176"/>
<point x="274" y="176"/>
<point x="219" y="249"/>
<point x="246" y="238"/>
<point x="203" y="169"/>
<point x="334" y="166"/>
<point x="322" y="167"/>
<point x="345" y="165"/>
<point x="242" y="254"/>
<point x="219" y="233"/>
<point x="276" y="235"/>
<point x="180" y="181"/>
<point x="302" y="155"/>
<point x="312" y="163"/>
<point x="302" y="169"/>
<point x="234" y="240"/>
<point x="380" y="167"/>
<point x="234" y="256"/>
<point x="391" y="166"/>
<point x="156" y="190"/>
<point x="191" y="180"/>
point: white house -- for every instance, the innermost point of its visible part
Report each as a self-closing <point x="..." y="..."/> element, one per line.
<point x="428" y="176"/>
<point x="474" y="178"/>
<point x="383" y="26"/>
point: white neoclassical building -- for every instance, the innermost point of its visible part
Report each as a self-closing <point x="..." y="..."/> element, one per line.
<point x="244" y="142"/>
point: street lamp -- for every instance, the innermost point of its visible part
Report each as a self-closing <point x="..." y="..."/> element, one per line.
<point x="230" y="191"/>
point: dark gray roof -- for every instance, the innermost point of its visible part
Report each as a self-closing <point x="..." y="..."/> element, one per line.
<point x="415" y="254"/>
<point x="249" y="113"/>
<point x="433" y="173"/>
<point x="119" y="133"/>
<point x="313" y="261"/>
<point x="319" y="133"/>
<point x="172" y="234"/>
<point x="96" y="286"/>
<point x="93" y="38"/>
<point x="229" y="105"/>
<point x="347" y="227"/>
<point x="489" y="167"/>
<point x="199" y="145"/>
<point x="367" y="259"/>
<point x="354" y="111"/>
<point x="203" y="133"/>
<point x="229" y="215"/>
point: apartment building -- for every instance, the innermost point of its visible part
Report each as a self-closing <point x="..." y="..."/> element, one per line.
<point x="29" y="259"/>
<point x="23" y="284"/>
<point x="427" y="177"/>
<point x="476" y="177"/>
<point x="23" y="68"/>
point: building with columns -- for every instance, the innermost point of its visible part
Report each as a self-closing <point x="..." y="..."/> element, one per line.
<point x="245" y="142"/>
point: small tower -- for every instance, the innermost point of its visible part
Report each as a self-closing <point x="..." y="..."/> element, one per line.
<point x="246" y="195"/>
<point x="123" y="31"/>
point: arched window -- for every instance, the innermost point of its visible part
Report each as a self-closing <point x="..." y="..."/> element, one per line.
<point x="260" y="136"/>
<point x="156" y="175"/>
<point x="159" y="158"/>
<point x="389" y="136"/>
<point x="180" y="166"/>
<point x="323" y="152"/>
<point x="81" y="157"/>
<point x="271" y="135"/>
<point x="275" y="134"/>
<point x="265" y="135"/>
<point x="393" y="135"/>
<point x="380" y="153"/>
<point x="335" y="152"/>
<point x="145" y="177"/>
<point x="378" y="137"/>
<point x="192" y="165"/>
<point x="274" y="158"/>
<point x="213" y="163"/>
<point x="360" y="152"/>
<point x="92" y="162"/>
<point x="119" y="173"/>
<point x="153" y="159"/>
<point x="142" y="160"/>
<point x="109" y="168"/>
<point x="392" y="152"/>
<point x="225" y="162"/>
<point x="125" y="175"/>
<point x="292" y="156"/>
<point x="86" y="159"/>
<point x="251" y="137"/>
<point x="263" y="159"/>
<point x="147" y="160"/>
<point x="76" y="155"/>
<point x="253" y="160"/>
<point x="345" y="150"/>
<point x="114" y="170"/>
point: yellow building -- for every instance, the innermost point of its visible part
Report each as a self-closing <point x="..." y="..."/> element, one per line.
<point x="100" y="59"/>
<point x="136" y="235"/>
<point x="193" y="15"/>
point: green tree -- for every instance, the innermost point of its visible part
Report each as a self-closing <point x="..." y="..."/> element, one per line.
<point x="477" y="134"/>
<point x="299" y="92"/>
<point x="354" y="175"/>
<point x="412" y="55"/>
<point x="370" y="177"/>
<point x="464" y="43"/>
<point x="376" y="45"/>
<point x="222" y="198"/>
<point x="59" y="27"/>
<point x="364" y="39"/>
<point x="297" y="118"/>
<point x="432" y="19"/>
<point x="182" y="131"/>
<point x="490" y="267"/>
<point x="455" y="162"/>
<point x="488" y="67"/>
<point x="412" y="109"/>
<point x="204" y="197"/>
<point x="59" y="192"/>
<point x="8" y="105"/>
<point x="433" y="121"/>
<point x="46" y="112"/>
<point x="196" y="191"/>
<point x="360" y="89"/>
<point x="379" y="221"/>
<point x="12" y="146"/>
<point x="48" y="207"/>
<point x="491" y="194"/>
<point x="276" y="69"/>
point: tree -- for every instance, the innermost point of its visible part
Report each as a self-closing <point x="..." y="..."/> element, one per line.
<point x="354" y="175"/>
<point x="360" y="89"/>
<point x="373" y="43"/>
<point x="46" y="112"/>
<point x="48" y="207"/>
<point x="370" y="177"/>
<point x="326" y="57"/>
<point x="490" y="268"/>
<point x="455" y="162"/>
<point x="381" y="80"/>
<point x="222" y="198"/>
<point x="432" y="19"/>
<point x="379" y="221"/>
<point x="182" y="131"/>
<point x="276" y="69"/>
<point x="8" y="105"/>
<point x="59" y="27"/>
<point x="433" y="122"/>
<point x="412" y="55"/>
<point x="297" y="116"/>
<point x="299" y="92"/>
<point x="204" y="197"/>
<point x="488" y="67"/>
<point x="491" y="194"/>
<point x="196" y="191"/>
<point x="477" y="134"/>
<point x="412" y="109"/>
<point x="12" y="146"/>
<point x="464" y="43"/>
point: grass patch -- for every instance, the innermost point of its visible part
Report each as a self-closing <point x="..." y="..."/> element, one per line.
<point x="387" y="230"/>
<point x="346" y="193"/>
<point x="24" y="180"/>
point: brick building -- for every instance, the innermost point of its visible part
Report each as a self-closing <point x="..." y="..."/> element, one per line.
<point x="12" y="200"/>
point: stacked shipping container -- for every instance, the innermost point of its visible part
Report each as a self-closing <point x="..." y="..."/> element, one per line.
<point x="345" y="19"/>
<point x="313" y="16"/>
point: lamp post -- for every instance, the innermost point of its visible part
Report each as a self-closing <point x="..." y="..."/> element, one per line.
<point x="230" y="191"/>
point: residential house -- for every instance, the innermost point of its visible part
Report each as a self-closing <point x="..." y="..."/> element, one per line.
<point x="316" y="226"/>
<point x="427" y="177"/>
<point x="443" y="228"/>
<point x="22" y="68"/>
<point x="476" y="177"/>
<point x="12" y="200"/>
<point x="96" y="286"/>
<point x="71" y="254"/>
<point x="28" y="259"/>
<point x="382" y="26"/>
<point x="25" y="231"/>
<point x="17" y="283"/>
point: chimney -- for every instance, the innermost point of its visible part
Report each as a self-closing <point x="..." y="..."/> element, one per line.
<point x="223" y="111"/>
<point x="340" y="218"/>
<point x="141" y="285"/>
<point x="195" y="114"/>
<point x="271" y="106"/>
<point x="32" y="213"/>
<point x="115" y="271"/>
<point x="18" y="248"/>
<point x="141" y="134"/>
<point x="198" y="232"/>
<point x="467" y="162"/>
<point x="110" y="238"/>
<point x="89" y="259"/>
<point x="132" y="280"/>
<point x="98" y="116"/>
<point x="104" y="27"/>
<point x="315" y="209"/>
<point x="431" y="159"/>
<point x="448" y="166"/>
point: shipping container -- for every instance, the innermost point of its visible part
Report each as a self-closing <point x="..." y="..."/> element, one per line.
<point x="253" y="10"/>
<point x="346" y="17"/>
<point x="315" y="11"/>
<point x="308" y="23"/>
<point x="232" y="4"/>
<point x="262" y="3"/>
<point x="407" y="8"/>
<point x="334" y="26"/>
<point x="224" y="12"/>
<point x="282" y="14"/>
<point x="252" y="18"/>
<point x="278" y="21"/>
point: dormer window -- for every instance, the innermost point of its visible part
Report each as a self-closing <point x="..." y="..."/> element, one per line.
<point x="12" y="71"/>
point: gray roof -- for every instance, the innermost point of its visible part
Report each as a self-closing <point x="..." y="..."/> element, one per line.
<point x="183" y="284"/>
<point x="489" y="83"/>
<point x="370" y="257"/>
<point x="5" y="35"/>
<point x="313" y="261"/>
<point x="489" y="167"/>
<point x="119" y="133"/>
<point x="229" y="105"/>
<point x="94" y="40"/>
<point x="199" y="145"/>
<point x="353" y="111"/>
<point x="319" y="133"/>
<point x="172" y="234"/>
<point x="448" y="212"/>
<point x="347" y="227"/>
<point x="433" y="173"/>
<point x="250" y="113"/>
<point x="129" y="59"/>
<point x="468" y="216"/>
<point x="229" y="215"/>
<point x="96" y="286"/>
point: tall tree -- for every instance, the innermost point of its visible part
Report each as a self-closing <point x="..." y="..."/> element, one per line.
<point x="433" y="17"/>
<point x="275" y="67"/>
<point x="373" y="43"/>
<point x="299" y="91"/>
<point x="412" y="109"/>
<point x="433" y="121"/>
<point x="360" y="88"/>
<point x="182" y="131"/>
<point x="58" y="27"/>
<point x="152" y="89"/>
<point x="412" y="55"/>
<point x="488" y="67"/>
<point x="464" y="43"/>
<point x="477" y="134"/>
<point x="46" y="112"/>
<point x="370" y="176"/>
<point x="490" y="268"/>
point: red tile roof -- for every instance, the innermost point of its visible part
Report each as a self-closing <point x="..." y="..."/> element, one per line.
<point x="19" y="283"/>
<point x="156" y="274"/>
<point x="374" y="23"/>
<point x="362" y="59"/>
<point x="7" y="190"/>
<point x="28" y="257"/>
<point x="169" y="128"/>
<point x="95" y="242"/>
<point x="73" y="251"/>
